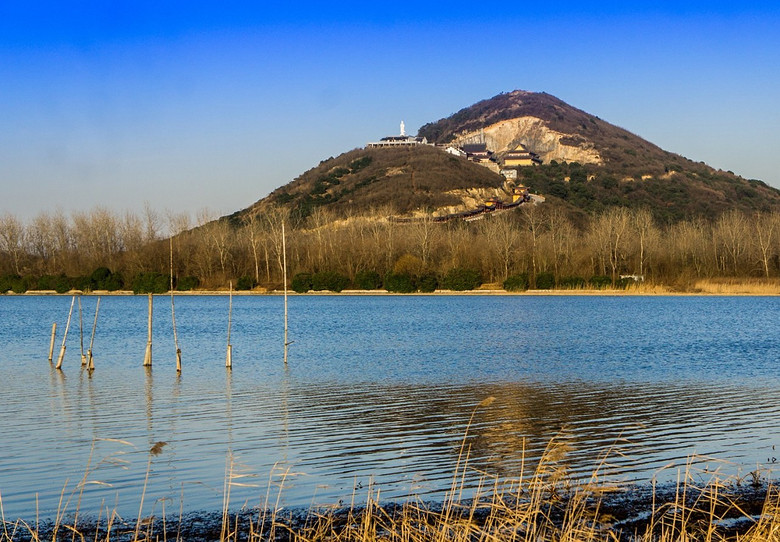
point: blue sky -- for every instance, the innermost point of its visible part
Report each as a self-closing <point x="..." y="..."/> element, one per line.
<point x="204" y="105"/>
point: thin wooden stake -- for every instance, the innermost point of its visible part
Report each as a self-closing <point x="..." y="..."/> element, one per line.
<point x="284" y="270"/>
<point x="51" y="344"/>
<point x="173" y="317"/>
<point x="148" y="355"/>
<point x="67" y="327"/>
<point x="229" y="357"/>
<point x="81" y="335"/>
<point x="90" y="362"/>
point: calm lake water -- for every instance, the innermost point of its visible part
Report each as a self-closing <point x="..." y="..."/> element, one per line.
<point x="378" y="389"/>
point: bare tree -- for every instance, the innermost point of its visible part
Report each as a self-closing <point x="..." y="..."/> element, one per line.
<point x="561" y="232"/>
<point x="41" y="241"/>
<point x="424" y="233"/>
<point x="502" y="237"/>
<point x="534" y="219"/>
<point x="731" y="235"/>
<point x="608" y="237"/>
<point x="766" y="227"/>
<point x="274" y="217"/>
<point x="12" y="240"/>
<point x="253" y="233"/>
<point x="646" y="234"/>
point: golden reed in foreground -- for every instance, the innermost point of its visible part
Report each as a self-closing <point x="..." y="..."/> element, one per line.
<point x="543" y="504"/>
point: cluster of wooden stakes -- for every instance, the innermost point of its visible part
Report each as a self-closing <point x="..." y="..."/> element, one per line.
<point x="86" y="357"/>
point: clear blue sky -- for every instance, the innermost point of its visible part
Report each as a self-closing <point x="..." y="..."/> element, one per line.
<point x="193" y="105"/>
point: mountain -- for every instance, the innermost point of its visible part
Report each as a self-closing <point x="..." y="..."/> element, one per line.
<point x="587" y="165"/>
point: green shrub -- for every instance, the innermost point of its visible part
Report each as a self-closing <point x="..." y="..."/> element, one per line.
<point x="368" y="280"/>
<point x="20" y="286"/>
<point x="359" y="163"/>
<point x="301" y="283"/>
<point x="62" y="284"/>
<point x="460" y="279"/>
<point x="328" y="280"/>
<point x="100" y="274"/>
<point x="399" y="283"/>
<point x="185" y="284"/>
<point x="103" y="279"/>
<point x="545" y="281"/>
<point x="516" y="283"/>
<point x="245" y="283"/>
<point x="571" y="283"/>
<point x="46" y="282"/>
<point x="150" y="283"/>
<point x="600" y="281"/>
<point x="15" y="283"/>
<point x="83" y="283"/>
<point x="427" y="283"/>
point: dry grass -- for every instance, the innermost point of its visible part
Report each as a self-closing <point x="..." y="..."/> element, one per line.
<point x="541" y="504"/>
<point x="729" y="286"/>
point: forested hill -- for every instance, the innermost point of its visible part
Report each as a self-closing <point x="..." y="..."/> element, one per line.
<point x="592" y="164"/>
<point x="588" y="165"/>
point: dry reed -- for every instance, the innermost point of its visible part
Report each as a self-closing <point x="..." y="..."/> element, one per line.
<point x="541" y="504"/>
<point x="742" y="286"/>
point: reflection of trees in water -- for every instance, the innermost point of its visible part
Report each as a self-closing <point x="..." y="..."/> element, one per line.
<point x="638" y="427"/>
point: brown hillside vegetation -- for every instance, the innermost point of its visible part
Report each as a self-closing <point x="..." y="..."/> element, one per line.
<point x="402" y="179"/>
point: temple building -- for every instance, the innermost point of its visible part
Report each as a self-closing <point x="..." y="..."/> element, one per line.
<point x="520" y="156"/>
<point x="402" y="140"/>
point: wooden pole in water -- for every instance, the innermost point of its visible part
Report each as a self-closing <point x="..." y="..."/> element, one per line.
<point x="90" y="363"/>
<point x="173" y="317"/>
<point x="229" y="357"/>
<point x="148" y="355"/>
<point x="65" y="336"/>
<point x="51" y="344"/>
<point x="284" y="270"/>
<point x="81" y="336"/>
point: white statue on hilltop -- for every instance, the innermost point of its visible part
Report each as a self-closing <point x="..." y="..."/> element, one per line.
<point x="403" y="129"/>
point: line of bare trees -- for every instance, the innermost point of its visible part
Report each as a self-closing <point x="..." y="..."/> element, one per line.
<point x="532" y="239"/>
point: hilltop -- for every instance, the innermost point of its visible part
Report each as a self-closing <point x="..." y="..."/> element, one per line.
<point x="587" y="165"/>
<point x="590" y="163"/>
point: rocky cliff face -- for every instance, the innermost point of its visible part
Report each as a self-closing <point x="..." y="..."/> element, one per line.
<point x="537" y="137"/>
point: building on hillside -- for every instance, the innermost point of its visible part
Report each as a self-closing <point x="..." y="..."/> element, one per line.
<point x="401" y="140"/>
<point x="520" y="193"/>
<point x="477" y="152"/>
<point x="455" y="151"/>
<point x="520" y="156"/>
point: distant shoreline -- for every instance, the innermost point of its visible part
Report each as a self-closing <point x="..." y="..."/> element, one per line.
<point x="366" y="293"/>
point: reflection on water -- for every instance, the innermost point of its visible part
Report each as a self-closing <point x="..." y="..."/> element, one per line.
<point x="381" y="390"/>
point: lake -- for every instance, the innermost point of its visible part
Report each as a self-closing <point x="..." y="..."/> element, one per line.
<point x="378" y="391"/>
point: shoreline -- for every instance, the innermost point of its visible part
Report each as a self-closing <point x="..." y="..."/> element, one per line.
<point x="633" y="512"/>
<point x="366" y="293"/>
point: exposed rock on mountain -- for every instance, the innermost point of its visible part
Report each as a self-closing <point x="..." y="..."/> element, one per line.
<point x="587" y="164"/>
